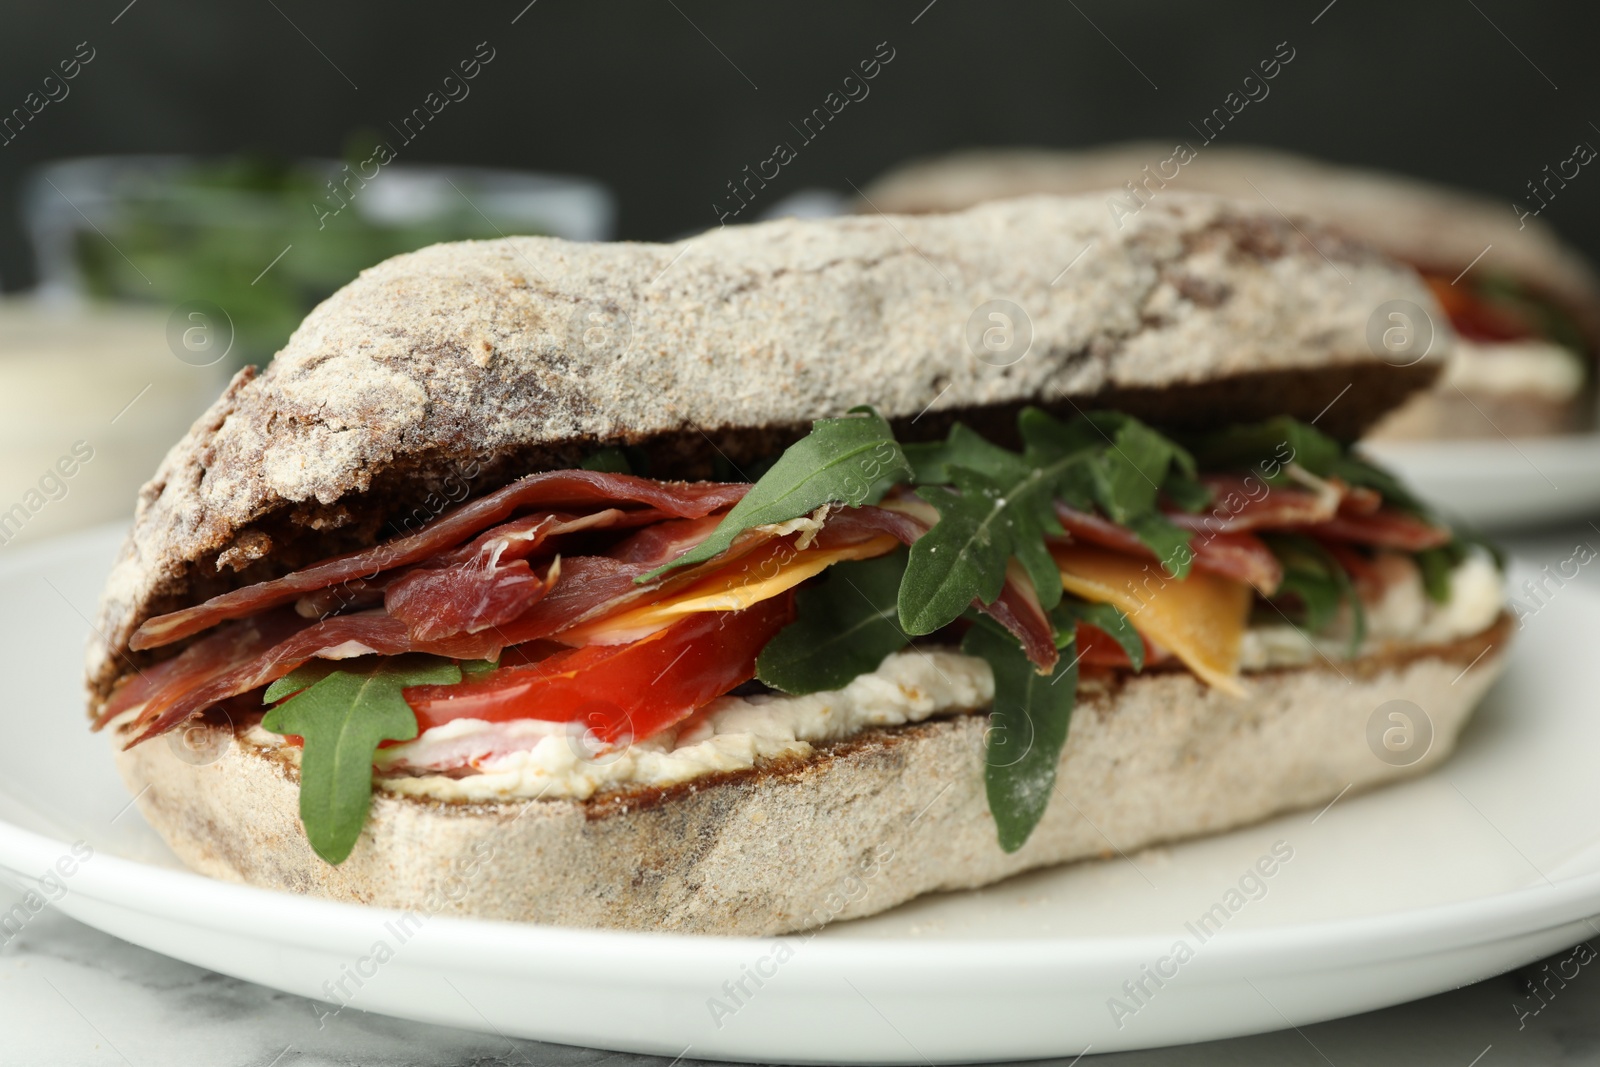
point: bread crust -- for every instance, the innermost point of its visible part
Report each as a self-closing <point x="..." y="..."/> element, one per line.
<point x="856" y="828"/>
<point x="469" y="362"/>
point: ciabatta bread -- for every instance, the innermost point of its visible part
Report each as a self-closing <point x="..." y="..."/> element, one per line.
<point x="857" y="827"/>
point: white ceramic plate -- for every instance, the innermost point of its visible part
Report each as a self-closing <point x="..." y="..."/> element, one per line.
<point x="1501" y="483"/>
<point x="1490" y="863"/>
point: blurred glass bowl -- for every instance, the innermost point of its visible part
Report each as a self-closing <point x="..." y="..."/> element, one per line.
<point x="266" y="240"/>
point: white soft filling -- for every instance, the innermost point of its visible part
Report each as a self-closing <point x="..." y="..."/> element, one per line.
<point x="1538" y="368"/>
<point x="1403" y="615"/>
<point x="529" y="758"/>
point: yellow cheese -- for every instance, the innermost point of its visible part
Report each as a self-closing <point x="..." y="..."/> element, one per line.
<point x="757" y="577"/>
<point x="1200" y="619"/>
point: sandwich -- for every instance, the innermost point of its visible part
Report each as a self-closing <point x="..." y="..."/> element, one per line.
<point x="790" y="572"/>
<point x="1524" y="306"/>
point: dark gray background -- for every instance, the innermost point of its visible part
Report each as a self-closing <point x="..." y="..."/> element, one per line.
<point x="637" y="94"/>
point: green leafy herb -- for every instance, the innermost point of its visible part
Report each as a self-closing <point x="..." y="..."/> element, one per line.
<point x="1107" y="618"/>
<point x="1000" y="505"/>
<point x="1357" y="471"/>
<point x="1318" y="584"/>
<point x="608" y="460"/>
<point x="1028" y="728"/>
<point x="342" y="716"/>
<point x="1267" y="448"/>
<point x="1546" y="319"/>
<point x="844" y="626"/>
<point x="1436" y="565"/>
<point x="851" y="460"/>
<point x="932" y="461"/>
<point x="303" y="676"/>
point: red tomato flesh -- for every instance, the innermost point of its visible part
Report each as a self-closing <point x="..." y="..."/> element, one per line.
<point x="1477" y="318"/>
<point x="633" y="690"/>
<point x="1096" y="648"/>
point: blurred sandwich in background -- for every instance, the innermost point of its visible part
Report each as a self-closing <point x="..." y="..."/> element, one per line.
<point x="1525" y="306"/>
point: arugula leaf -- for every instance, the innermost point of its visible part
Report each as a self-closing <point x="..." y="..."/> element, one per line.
<point x="1170" y="542"/>
<point x="608" y="460"/>
<point x="1267" y="447"/>
<point x="931" y="461"/>
<point x="845" y="625"/>
<point x="1128" y="476"/>
<point x="963" y="556"/>
<point x="850" y="460"/>
<point x="1319" y="582"/>
<point x="342" y="717"/>
<point x="1125" y="467"/>
<point x="307" y="674"/>
<point x="1436" y="565"/>
<point x="1359" y="472"/>
<point x="1184" y="489"/>
<point x="1027" y="732"/>
<point x="994" y="505"/>
<point x="1549" y="321"/>
<point x="1107" y="618"/>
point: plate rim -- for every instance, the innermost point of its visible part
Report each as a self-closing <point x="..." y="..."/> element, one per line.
<point x="324" y="925"/>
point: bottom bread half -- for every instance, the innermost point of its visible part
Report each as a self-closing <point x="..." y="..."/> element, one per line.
<point x="857" y="827"/>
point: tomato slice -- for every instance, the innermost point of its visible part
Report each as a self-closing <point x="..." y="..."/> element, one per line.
<point x="1477" y="318"/>
<point x="633" y="690"/>
<point x="1096" y="648"/>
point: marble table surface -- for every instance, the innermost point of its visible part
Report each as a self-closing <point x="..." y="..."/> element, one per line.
<point x="71" y="995"/>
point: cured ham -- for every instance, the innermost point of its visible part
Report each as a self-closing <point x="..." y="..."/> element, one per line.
<point x="200" y="662"/>
<point x="1241" y="556"/>
<point x="245" y="654"/>
<point x="552" y="489"/>
<point x="257" y="661"/>
<point x="1359" y="500"/>
<point x="466" y="598"/>
<point x="1245" y="502"/>
<point x="1384" y="528"/>
<point x="488" y="582"/>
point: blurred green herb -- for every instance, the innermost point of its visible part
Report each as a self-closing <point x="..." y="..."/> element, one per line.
<point x="210" y="231"/>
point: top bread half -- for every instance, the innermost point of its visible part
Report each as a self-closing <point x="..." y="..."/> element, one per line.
<point x="474" y="363"/>
<point x="1435" y="227"/>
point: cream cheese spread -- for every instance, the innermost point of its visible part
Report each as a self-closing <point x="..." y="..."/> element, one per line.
<point x="1403" y="615"/>
<point x="1539" y="368"/>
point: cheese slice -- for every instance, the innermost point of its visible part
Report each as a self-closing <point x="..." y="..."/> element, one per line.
<point x="759" y="576"/>
<point x="1200" y="619"/>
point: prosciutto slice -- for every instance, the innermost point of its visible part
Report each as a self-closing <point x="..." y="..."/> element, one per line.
<point x="1384" y="528"/>
<point x="245" y="654"/>
<point x="1242" y="556"/>
<point x="553" y="489"/>
<point x="200" y="662"/>
<point x="489" y="582"/>
<point x="466" y="598"/>
<point x="257" y="661"/>
<point x="1245" y="502"/>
